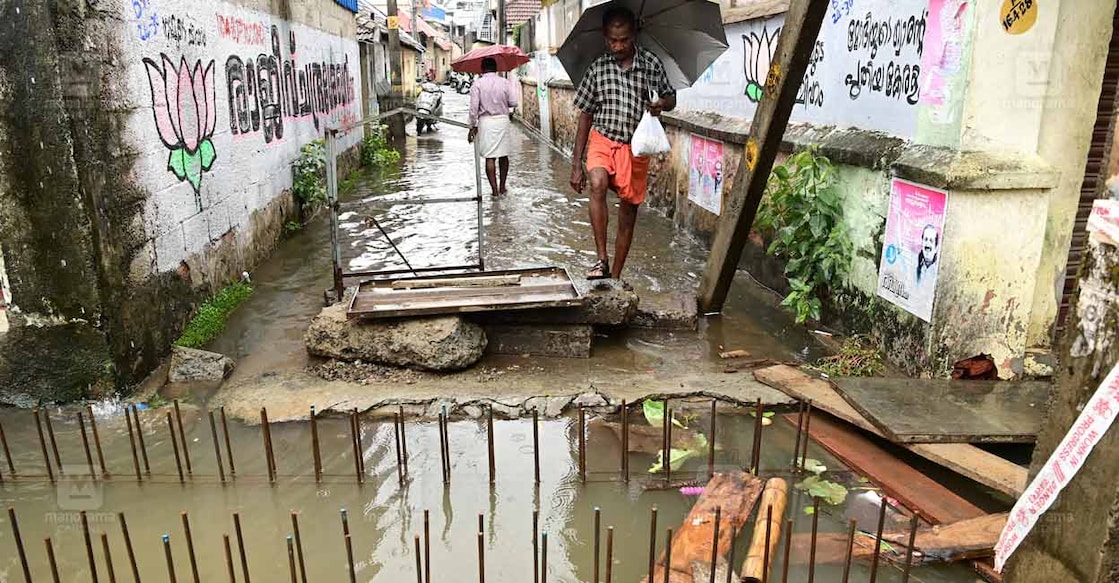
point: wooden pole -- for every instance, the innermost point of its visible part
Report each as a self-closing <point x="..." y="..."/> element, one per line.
<point x="775" y="496"/>
<point x="788" y="64"/>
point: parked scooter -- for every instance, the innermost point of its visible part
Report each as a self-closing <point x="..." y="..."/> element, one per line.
<point x="465" y="81"/>
<point x="429" y="102"/>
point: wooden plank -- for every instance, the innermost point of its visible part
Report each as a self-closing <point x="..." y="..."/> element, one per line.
<point x="735" y="493"/>
<point x="394" y="296"/>
<point x="911" y="488"/>
<point x="967" y="539"/>
<point x="949" y="411"/>
<point x="967" y="460"/>
<point x="469" y="305"/>
<point x="486" y="281"/>
<point x="786" y="70"/>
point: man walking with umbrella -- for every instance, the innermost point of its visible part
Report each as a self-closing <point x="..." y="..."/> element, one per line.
<point x="492" y="99"/>
<point x="613" y="94"/>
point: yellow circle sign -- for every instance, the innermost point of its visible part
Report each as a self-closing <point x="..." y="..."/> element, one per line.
<point x="1018" y="16"/>
<point x="394" y="22"/>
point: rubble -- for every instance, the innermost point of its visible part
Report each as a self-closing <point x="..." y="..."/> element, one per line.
<point x="190" y="364"/>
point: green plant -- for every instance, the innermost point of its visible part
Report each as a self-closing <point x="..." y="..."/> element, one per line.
<point x="292" y="227"/>
<point x="855" y="359"/>
<point x="803" y="217"/>
<point x="375" y="149"/>
<point x="818" y="487"/>
<point x="212" y="315"/>
<point x="309" y="183"/>
<point x="654" y="413"/>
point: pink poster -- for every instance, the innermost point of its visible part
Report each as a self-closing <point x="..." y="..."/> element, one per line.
<point x="911" y="247"/>
<point x="705" y="173"/>
<point x="943" y="54"/>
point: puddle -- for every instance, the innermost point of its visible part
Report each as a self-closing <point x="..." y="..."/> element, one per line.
<point x="383" y="517"/>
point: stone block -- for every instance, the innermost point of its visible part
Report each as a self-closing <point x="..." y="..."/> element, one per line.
<point x="189" y="364"/>
<point x="671" y="311"/>
<point x="608" y="302"/>
<point x="441" y="343"/>
<point x="548" y="340"/>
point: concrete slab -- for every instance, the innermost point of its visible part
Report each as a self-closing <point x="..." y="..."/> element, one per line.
<point x="668" y="311"/>
<point x="548" y="340"/>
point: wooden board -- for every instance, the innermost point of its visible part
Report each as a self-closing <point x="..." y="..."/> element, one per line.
<point x="910" y="487"/>
<point x="967" y="460"/>
<point x="736" y="493"/>
<point x="547" y="287"/>
<point x="948" y="411"/>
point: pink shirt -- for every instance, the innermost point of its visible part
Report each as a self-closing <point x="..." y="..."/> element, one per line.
<point x="491" y="94"/>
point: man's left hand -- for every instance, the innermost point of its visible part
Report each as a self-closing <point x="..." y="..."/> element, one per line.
<point x="656" y="107"/>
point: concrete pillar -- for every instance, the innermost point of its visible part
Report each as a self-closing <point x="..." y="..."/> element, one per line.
<point x="1077" y="540"/>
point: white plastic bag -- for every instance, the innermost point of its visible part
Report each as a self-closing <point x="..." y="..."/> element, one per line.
<point x="649" y="138"/>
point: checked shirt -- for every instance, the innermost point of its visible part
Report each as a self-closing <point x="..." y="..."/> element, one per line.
<point x="617" y="97"/>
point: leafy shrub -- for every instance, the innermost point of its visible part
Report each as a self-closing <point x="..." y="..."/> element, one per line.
<point x="212" y="316"/>
<point x="803" y="217"/>
<point x="855" y="359"/>
<point x="376" y="151"/>
<point x="309" y="185"/>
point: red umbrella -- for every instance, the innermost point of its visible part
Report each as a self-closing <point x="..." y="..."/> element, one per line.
<point x="507" y="57"/>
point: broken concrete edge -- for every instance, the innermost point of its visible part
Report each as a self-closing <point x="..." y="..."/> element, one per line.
<point x="550" y="406"/>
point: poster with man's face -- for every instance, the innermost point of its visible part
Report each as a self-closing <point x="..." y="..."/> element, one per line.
<point x="705" y="173"/>
<point x="911" y="247"/>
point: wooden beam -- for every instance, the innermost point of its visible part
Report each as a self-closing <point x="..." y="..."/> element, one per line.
<point x="786" y="70"/>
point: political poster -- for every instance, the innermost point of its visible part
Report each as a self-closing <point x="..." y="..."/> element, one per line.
<point x="911" y="247"/>
<point x="705" y="173"/>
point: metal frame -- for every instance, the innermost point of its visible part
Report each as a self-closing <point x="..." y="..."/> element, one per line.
<point x="339" y="274"/>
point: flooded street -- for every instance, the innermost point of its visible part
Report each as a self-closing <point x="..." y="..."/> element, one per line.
<point x="383" y="516"/>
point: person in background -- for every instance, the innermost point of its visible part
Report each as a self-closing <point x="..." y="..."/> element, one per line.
<point x="492" y="99"/>
<point x="613" y="94"/>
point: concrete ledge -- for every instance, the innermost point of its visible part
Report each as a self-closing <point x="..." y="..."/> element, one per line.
<point x="956" y="170"/>
<point x="553" y="341"/>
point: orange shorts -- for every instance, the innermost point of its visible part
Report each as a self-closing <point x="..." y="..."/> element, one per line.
<point x="629" y="174"/>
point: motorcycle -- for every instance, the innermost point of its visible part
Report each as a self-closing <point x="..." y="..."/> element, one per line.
<point x="465" y="81"/>
<point x="429" y="102"/>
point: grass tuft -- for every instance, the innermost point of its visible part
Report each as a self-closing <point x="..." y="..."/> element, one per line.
<point x="212" y="316"/>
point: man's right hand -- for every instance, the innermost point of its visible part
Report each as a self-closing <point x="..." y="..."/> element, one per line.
<point x="578" y="178"/>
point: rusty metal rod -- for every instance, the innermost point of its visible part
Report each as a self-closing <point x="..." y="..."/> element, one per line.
<point x="128" y="547"/>
<point x="807" y="424"/>
<point x="711" y="453"/>
<point x="349" y="546"/>
<point x="291" y="560"/>
<point x="609" y="554"/>
<point x="544" y="558"/>
<point x="228" y="559"/>
<point x="54" y="442"/>
<point x="913" y="522"/>
<point x="756" y="452"/>
<point x="19" y="545"/>
<point x="652" y="543"/>
<point x="481" y="558"/>
<point x="403" y="440"/>
<point x="170" y="560"/>
<point x="174" y="446"/>
<point x="140" y="439"/>
<point x="788" y="547"/>
<point x="850" y="551"/>
<point x="228" y="444"/>
<point x="7" y="451"/>
<point x="51" y="559"/>
<point x="625" y="442"/>
<point x="667" y="443"/>
<point x="315" y="446"/>
<point x="427" y="547"/>
<point x="360" y="443"/>
<point x="97" y="441"/>
<point x="667" y="555"/>
<point x="298" y="546"/>
<point x="800" y="430"/>
<point x="419" y="561"/>
<point x="43" y="445"/>
<point x="597" y="541"/>
<point x="399" y="456"/>
<point x="768" y="538"/>
<point x="582" y="444"/>
<point x="536" y="446"/>
<point x="812" y="544"/>
<point x="481" y="522"/>
<point x="190" y="546"/>
<point x="715" y="540"/>
<point x="88" y="547"/>
<point x="535" y="545"/>
<point x="357" y="449"/>
<point x="267" y="436"/>
<point x="241" y="546"/>
<point x="108" y="558"/>
<point x="489" y="440"/>
<point x="443" y="449"/>
<point x="182" y="437"/>
<point x="878" y="541"/>
<point x="132" y="444"/>
<point x="730" y="556"/>
<point x="85" y="443"/>
<point x="217" y="446"/>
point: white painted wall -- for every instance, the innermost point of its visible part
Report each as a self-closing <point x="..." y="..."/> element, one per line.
<point x="863" y="73"/>
<point x="264" y="87"/>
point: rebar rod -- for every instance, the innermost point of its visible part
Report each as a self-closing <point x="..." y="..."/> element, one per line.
<point x="625" y="442"/>
<point x="132" y="445"/>
<point x="182" y="437"/>
<point x="7" y="451"/>
<point x="544" y="558"/>
<point x="800" y="431"/>
<point x="170" y="560"/>
<point x="609" y="554"/>
<point x="403" y="441"/>
<point x="481" y="558"/>
<point x="667" y="443"/>
<point x="667" y="555"/>
<point x="715" y="540"/>
<point x="490" y="444"/>
<point x="536" y="445"/>
<point x="427" y="547"/>
<point x="652" y="542"/>
<point x="241" y="546"/>
<point x="396" y="442"/>
<point x="43" y="445"/>
<point x="54" y="442"/>
<point x="768" y="538"/>
<point x="228" y="559"/>
<point x="217" y="446"/>
<point x="597" y="541"/>
<point x="228" y="443"/>
<point x="174" y="445"/>
<point x="419" y="562"/>
<point x="756" y="451"/>
<point x="730" y="557"/>
<point x="913" y="522"/>
<point x="267" y="436"/>
<point x="85" y="444"/>
<point x="788" y="547"/>
<point x="128" y="547"/>
<point x="291" y="560"/>
<point x="582" y="444"/>
<point x="711" y="450"/>
<point x="51" y="559"/>
<point x="88" y="546"/>
<point x="108" y="558"/>
<point x="97" y="441"/>
<point x="535" y="545"/>
<point x="807" y="434"/>
<point x="850" y="551"/>
<point x="878" y="541"/>
<point x="354" y="437"/>
<point x="140" y="439"/>
<point x="19" y="545"/>
<point x="190" y="546"/>
<point x="812" y="544"/>
<point x="315" y="446"/>
<point x="298" y="546"/>
<point x="349" y="546"/>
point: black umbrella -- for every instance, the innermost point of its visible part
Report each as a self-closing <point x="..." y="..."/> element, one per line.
<point x="687" y="35"/>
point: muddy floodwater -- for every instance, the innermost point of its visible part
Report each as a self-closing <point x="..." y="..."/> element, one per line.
<point x="383" y="516"/>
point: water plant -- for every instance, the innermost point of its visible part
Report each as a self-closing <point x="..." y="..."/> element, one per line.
<point x="212" y="315"/>
<point x="309" y="180"/>
<point x="818" y="487"/>
<point x="375" y="148"/>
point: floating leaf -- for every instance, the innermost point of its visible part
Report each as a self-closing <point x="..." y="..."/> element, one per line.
<point x="817" y="487"/>
<point x="814" y="466"/>
<point x="809" y="510"/>
<point x="654" y="413"/>
<point x="678" y="456"/>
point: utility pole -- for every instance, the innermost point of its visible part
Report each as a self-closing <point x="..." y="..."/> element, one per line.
<point x="416" y="35"/>
<point x="396" y="63"/>
<point x="501" y="22"/>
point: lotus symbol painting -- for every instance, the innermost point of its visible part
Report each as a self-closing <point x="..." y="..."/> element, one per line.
<point x="184" y="103"/>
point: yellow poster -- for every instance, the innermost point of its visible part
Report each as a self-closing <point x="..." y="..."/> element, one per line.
<point x="394" y="22"/>
<point x="1018" y="16"/>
